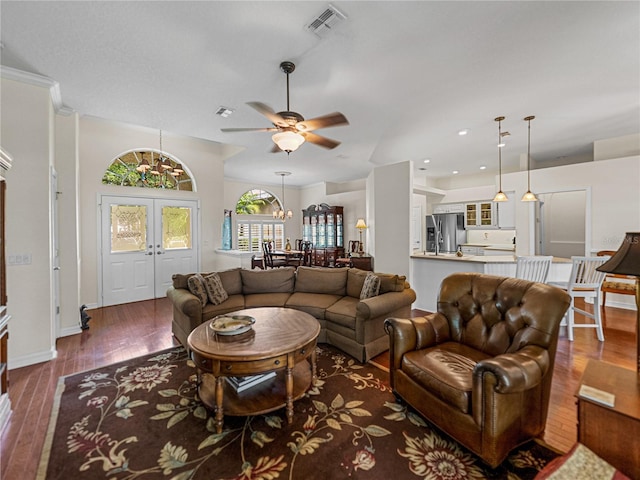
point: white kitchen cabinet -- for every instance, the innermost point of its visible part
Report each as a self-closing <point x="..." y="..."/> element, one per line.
<point x="449" y="208"/>
<point x="480" y="215"/>
<point x="471" y="250"/>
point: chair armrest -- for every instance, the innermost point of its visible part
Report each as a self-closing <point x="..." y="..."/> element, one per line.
<point x="514" y="372"/>
<point x="185" y="302"/>
<point x="406" y="335"/>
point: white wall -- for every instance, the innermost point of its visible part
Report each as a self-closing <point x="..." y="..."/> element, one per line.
<point x="234" y="189"/>
<point x="353" y="201"/>
<point x="67" y="167"/>
<point x="389" y="196"/>
<point x="615" y="199"/>
<point x="27" y="131"/>
<point x="102" y="141"/>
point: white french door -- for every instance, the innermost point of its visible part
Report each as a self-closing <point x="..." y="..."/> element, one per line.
<point x="144" y="242"/>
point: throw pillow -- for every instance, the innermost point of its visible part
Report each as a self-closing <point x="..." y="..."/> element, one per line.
<point x="196" y="286"/>
<point x="215" y="291"/>
<point x="370" y="287"/>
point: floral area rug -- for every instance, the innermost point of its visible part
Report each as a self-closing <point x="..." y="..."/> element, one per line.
<point x="142" y="419"/>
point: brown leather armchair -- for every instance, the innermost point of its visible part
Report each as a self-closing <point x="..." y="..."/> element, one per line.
<point x="480" y="368"/>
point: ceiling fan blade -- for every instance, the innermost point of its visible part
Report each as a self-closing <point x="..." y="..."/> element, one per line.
<point x="331" y="120"/>
<point x="228" y="130"/>
<point x="320" y="140"/>
<point x="268" y="112"/>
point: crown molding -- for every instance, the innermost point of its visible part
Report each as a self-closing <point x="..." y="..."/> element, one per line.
<point x="38" y="81"/>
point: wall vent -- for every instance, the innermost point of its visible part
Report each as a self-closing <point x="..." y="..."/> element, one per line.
<point x="328" y="20"/>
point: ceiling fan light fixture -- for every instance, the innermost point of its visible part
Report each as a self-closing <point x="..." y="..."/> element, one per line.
<point x="288" y="141"/>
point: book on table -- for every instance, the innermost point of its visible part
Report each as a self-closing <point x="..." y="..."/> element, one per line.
<point x="240" y="384"/>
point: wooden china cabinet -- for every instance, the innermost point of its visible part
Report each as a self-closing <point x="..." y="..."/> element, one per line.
<point x="323" y="226"/>
<point x="5" y="404"/>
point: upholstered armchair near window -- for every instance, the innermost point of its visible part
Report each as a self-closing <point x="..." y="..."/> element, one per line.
<point x="480" y="367"/>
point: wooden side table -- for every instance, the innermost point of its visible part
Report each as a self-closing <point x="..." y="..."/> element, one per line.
<point x="613" y="433"/>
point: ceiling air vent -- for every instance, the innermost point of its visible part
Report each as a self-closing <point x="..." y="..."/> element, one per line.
<point x="324" y="23"/>
<point x="224" y="111"/>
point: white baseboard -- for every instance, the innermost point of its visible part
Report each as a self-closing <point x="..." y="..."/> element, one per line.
<point x="32" y="359"/>
<point x="68" y="331"/>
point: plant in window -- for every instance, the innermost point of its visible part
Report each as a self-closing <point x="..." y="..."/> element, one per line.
<point x="250" y="203"/>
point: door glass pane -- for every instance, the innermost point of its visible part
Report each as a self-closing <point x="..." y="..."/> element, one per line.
<point x="128" y="228"/>
<point x="176" y="227"/>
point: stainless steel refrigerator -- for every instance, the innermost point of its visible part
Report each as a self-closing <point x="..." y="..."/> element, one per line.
<point x="447" y="229"/>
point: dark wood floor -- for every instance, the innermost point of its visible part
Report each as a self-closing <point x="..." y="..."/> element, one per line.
<point x="127" y="331"/>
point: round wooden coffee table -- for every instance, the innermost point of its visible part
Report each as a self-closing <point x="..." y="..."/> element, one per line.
<point x="281" y="340"/>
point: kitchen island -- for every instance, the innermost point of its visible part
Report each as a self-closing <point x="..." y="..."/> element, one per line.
<point x="428" y="270"/>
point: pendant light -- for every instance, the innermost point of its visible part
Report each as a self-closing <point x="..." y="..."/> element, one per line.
<point x="280" y="213"/>
<point x="500" y="196"/>
<point x="529" y="196"/>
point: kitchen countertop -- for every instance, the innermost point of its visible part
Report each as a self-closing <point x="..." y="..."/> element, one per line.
<point x="477" y="258"/>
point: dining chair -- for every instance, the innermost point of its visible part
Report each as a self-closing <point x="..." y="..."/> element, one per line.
<point x="533" y="268"/>
<point x="584" y="282"/>
<point x="307" y="249"/>
<point x="269" y="260"/>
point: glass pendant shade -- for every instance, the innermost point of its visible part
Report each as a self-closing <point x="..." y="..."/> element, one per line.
<point x="529" y="196"/>
<point x="288" y="141"/>
<point x="501" y="197"/>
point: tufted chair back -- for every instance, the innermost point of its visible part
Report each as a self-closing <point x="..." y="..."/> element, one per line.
<point x="496" y="315"/>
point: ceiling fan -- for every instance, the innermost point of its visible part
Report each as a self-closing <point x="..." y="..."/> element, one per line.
<point x="292" y="130"/>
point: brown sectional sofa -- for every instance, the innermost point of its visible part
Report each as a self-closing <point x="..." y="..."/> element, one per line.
<point x="332" y="295"/>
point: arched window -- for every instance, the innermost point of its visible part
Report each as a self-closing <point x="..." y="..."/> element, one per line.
<point x="255" y="222"/>
<point x="147" y="169"/>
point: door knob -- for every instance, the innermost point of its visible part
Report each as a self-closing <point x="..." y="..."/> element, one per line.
<point x="149" y="253"/>
<point x="159" y="253"/>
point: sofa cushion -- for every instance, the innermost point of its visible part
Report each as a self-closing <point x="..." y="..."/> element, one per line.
<point x="231" y="304"/>
<point x="370" y="287"/>
<point x="265" y="300"/>
<point x="231" y="281"/>
<point x="391" y="283"/>
<point x="446" y="371"/>
<point x="215" y="291"/>
<point x="196" y="286"/>
<point x="355" y="280"/>
<point x="315" y="304"/>
<point x="331" y="281"/>
<point x="343" y="312"/>
<point x="275" y="280"/>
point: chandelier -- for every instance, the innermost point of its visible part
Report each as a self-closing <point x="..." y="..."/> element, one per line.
<point x="280" y="213"/>
<point x="163" y="165"/>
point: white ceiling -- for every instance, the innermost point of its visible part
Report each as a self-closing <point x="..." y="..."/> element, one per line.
<point x="407" y="75"/>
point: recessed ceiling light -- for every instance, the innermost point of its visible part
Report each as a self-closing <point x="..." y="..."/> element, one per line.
<point x="482" y="167"/>
<point x="463" y="132"/>
<point x="500" y="145"/>
<point x="426" y="160"/>
<point x="455" y="172"/>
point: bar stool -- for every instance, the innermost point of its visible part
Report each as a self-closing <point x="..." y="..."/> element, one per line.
<point x="584" y="282"/>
